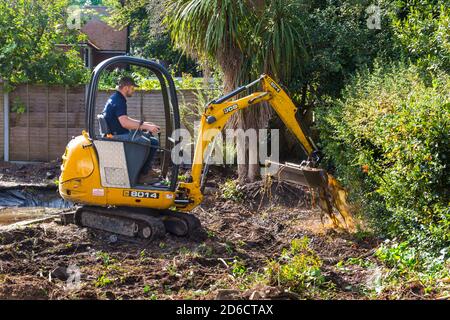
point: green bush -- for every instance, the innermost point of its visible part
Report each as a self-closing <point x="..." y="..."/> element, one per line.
<point x="424" y="33"/>
<point x="388" y="138"/>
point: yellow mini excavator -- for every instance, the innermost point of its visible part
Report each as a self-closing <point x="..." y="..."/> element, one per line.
<point x="101" y="174"/>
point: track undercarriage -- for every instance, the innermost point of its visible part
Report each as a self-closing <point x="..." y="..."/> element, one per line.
<point x="147" y="224"/>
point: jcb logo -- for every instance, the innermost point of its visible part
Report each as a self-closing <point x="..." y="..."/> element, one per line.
<point x="275" y="86"/>
<point x="230" y="108"/>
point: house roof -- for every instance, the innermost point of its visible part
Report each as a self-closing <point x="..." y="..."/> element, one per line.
<point x="101" y="36"/>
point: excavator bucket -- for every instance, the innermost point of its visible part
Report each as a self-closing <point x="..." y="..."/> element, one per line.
<point x="331" y="194"/>
<point x="298" y="173"/>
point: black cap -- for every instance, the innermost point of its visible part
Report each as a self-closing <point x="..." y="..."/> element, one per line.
<point x="127" y="81"/>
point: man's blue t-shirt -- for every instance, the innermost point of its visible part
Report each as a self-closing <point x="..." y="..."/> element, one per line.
<point x="115" y="107"/>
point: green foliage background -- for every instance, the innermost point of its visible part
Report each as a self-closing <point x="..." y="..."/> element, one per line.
<point x="392" y="120"/>
<point x="29" y="34"/>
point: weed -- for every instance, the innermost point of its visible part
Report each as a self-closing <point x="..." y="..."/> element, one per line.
<point x="361" y="234"/>
<point x="172" y="269"/>
<point x="241" y="243"/>
<point x="103" y="281"/>
<point x="238" y="268"/>
<point x="104" y="256"/>
<point x="230" y="191"/>
<point x="205" y="250"/>
<point x="298" y="268"/>
<point x="167" y="290"/>
<point x="184" y="251"/>
<point x="355" y="261"/>
<point x="151" y="295"/>
<point x="183" y="178"/>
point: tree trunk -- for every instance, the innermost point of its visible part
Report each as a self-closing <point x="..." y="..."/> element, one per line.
<point x="255" y="117"/>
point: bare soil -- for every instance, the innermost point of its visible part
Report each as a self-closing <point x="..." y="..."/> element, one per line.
<point x="29" y="173"/>
<point x="33" y="259"/>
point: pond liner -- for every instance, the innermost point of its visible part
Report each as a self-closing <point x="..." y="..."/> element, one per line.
<point x="32" y="197"/>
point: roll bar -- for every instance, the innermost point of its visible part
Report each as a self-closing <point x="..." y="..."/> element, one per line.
<point x="167" y="88"/>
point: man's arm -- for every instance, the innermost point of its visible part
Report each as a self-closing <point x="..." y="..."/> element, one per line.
<point x="132" y="124"/>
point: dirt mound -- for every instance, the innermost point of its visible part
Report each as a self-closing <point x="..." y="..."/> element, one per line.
<point x="260" y="194"/>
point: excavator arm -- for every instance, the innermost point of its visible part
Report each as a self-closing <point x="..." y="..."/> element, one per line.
<point x="214" y="119"/>
<point x="219" y="111"/>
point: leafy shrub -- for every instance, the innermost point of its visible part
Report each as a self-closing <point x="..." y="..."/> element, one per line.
<point x="18" y="106"/>
<point x="423" y="34"/>
<point x="395" y="126"/>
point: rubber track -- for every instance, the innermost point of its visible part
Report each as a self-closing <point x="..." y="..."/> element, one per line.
<point x="156" y="225"/>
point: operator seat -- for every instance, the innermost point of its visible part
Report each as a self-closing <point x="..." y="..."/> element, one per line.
<point x="102" y="125"/>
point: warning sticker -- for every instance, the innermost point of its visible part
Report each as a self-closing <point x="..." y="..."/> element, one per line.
<point x="98" y="192"/>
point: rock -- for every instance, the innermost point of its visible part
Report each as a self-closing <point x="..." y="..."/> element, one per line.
<point x="50" y="175"/>
<point x="263" y="292"/>
<point x="255" y="296"/>
<point x="227" y="294"/>
<point x="60" y="273"/>
<point x="112" y="238"/>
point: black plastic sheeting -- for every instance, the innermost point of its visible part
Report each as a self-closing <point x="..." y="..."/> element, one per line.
<point x="32" y="198"/>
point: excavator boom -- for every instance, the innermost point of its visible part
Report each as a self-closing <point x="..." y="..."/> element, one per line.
<point x="214" y="119"/>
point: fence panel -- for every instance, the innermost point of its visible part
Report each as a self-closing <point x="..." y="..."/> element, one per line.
<point x="44" y="118"/>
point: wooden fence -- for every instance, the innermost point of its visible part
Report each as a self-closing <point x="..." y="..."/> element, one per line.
<point x="44" y="118"/>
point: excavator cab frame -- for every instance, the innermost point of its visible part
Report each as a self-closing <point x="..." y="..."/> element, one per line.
<point x="120" y="162"/>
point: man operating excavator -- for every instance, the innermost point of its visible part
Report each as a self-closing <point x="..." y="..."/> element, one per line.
<point x="124" y="128"/>
<point x="100" y="173"/>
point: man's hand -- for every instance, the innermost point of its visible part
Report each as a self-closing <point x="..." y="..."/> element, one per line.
<point x="132" y="124"/>
<point x="151" y="128"/>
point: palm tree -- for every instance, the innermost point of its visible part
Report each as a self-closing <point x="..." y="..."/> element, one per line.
<point x="245" y="38"/>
